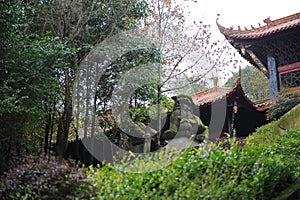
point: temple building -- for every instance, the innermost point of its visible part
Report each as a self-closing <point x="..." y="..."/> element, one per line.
<point x="238" y="115"/>
<point x="274" y="48"/>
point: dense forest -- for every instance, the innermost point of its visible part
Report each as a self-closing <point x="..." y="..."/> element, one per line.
<point x="42" y="44"/>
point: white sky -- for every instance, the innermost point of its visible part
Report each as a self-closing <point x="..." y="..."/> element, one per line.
<point x="244" y="13"/>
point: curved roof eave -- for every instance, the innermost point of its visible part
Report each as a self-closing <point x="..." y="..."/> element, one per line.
<point x="270" y="28"/>
<point x="227" y="92"/>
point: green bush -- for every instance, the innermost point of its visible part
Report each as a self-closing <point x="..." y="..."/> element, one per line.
<point x="208" y="172"/>
<point x="43" y="179"/>
<point x="288" y="145"/>
<point x="285" y="100"/>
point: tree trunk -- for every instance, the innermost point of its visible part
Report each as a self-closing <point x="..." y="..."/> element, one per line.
<point x="65" y="119"/>
<point x="159" y="114"/>
<point x="47" y="130"/>
<point x="51" y="133"/>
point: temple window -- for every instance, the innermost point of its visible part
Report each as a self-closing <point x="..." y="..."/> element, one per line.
<point x="290" y="79"/>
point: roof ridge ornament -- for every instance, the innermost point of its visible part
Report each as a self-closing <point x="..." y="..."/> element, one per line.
<point x="238" y="79"/>
<point x="267" y="20"/>
<point x="215" y="80"/>
<point x="240" y="73"/>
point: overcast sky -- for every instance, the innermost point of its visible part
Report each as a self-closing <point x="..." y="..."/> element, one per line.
<point x="241" y="12"/>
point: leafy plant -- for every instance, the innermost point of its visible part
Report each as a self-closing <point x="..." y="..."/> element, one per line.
<point x="288" y="145"/>
<point x="251" y="172"/>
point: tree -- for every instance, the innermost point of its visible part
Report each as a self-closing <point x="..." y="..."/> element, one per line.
<point x="80" y="24"/>
<point x="186" y="54"/>
<point x="254" y="83"/>
<point x="186" y="50"/>
<point x="42" y="44"/>
<point x="28" y="83"/>
<point x="114" y="73"/>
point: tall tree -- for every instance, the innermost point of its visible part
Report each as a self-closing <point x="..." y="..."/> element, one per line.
<point x="42" y="44"/>
<point x="186" y="49"/>
<point x="27" y="82"/>
<point x="80" y="24"/>
<point x="254" y="83"/>
<point x="186" y="52"/>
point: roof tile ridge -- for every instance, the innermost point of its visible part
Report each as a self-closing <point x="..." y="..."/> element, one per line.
<point x="286" y="18"/>
<point x="270" y="23"/>
<point x="201" y="92"/>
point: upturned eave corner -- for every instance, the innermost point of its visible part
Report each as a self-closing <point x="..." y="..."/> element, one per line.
<point x="225" y="31"/>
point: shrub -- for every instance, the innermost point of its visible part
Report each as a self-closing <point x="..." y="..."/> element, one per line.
<point x="43" y="179"/>
<point x="226" y="142"/>
<point x="285" y="100"/>
<point x="288" y="145"/>
<point x="251" y="172"/>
